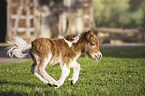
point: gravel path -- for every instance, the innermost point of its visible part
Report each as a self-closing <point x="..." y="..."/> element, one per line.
<point x="5" y="59"/>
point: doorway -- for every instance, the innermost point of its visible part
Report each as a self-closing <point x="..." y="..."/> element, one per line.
<point x="3" y="20"/>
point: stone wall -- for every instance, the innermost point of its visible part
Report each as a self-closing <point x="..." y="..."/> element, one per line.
<point x="31" y="19"/>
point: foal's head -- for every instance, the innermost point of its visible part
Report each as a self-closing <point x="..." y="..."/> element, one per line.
<point x="91" y="48"/>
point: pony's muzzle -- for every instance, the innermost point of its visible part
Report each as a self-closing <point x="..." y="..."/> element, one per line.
<point x="98" y="56"/>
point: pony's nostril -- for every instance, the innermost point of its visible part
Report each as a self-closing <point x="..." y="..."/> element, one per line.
<point x="100" y="56"/>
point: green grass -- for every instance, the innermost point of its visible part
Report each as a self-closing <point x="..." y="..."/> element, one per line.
<point x="3" y="47"/>
<point x="121" y="72"/>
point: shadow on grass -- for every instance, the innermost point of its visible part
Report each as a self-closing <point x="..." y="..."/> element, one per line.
<point x="14" y="92"/>
<point x="18" y="83"/>
<point x="124" y="52"/>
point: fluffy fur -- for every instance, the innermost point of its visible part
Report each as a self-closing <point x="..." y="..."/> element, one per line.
<point x="17" y="46"/>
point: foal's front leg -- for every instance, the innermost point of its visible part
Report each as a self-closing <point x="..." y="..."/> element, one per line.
<point x="76" y="70"/>
<point x="64" y="74"/>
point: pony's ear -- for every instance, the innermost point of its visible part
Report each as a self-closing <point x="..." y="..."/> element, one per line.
<point x="88" y="35"/>
<point x="88" y="31"/>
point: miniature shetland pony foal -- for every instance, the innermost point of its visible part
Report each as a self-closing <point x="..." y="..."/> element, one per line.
<point x="64" y="51"/>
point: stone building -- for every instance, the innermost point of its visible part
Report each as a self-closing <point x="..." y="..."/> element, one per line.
<point x="31" y="19"/>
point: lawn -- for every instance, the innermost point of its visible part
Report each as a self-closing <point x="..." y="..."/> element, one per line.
<point x="121" y="72"/>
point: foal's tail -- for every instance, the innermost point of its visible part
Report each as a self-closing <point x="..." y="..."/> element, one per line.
<point x="17" y="46"/>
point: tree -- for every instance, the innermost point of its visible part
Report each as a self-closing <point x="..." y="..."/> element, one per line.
<point x="137" y="9"/>
<point x="119" y="13"/>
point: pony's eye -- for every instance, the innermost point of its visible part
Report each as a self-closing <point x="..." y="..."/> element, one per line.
<point x="92" y="44"/>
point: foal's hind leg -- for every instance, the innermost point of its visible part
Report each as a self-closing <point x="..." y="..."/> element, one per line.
<point x="42" y="66"/>
<point x="34" y="68"/>
<point x="38" y="68"/>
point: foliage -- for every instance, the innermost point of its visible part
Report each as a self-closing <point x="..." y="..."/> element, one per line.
<point x="119" y="73"/>
<point x="119" y="13"/>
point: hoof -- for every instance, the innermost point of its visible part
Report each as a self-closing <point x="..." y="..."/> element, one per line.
<point x="52" y="85"/>
<point x="55" y="85"/>
<point x="72" y="82"/>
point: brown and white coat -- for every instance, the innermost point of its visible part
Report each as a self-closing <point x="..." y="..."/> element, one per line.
<point x="63" y="51"/>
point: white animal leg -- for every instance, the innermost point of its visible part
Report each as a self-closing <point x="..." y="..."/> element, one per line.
<point x="34" y="69"/>
<point x="76" y="69"/>
<point x="38" y="68"/>
<point x="64" y="74"/>
<point x="42" y="79"/>
<point x="47" y="77"/>
<point x="44" y="73"/>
